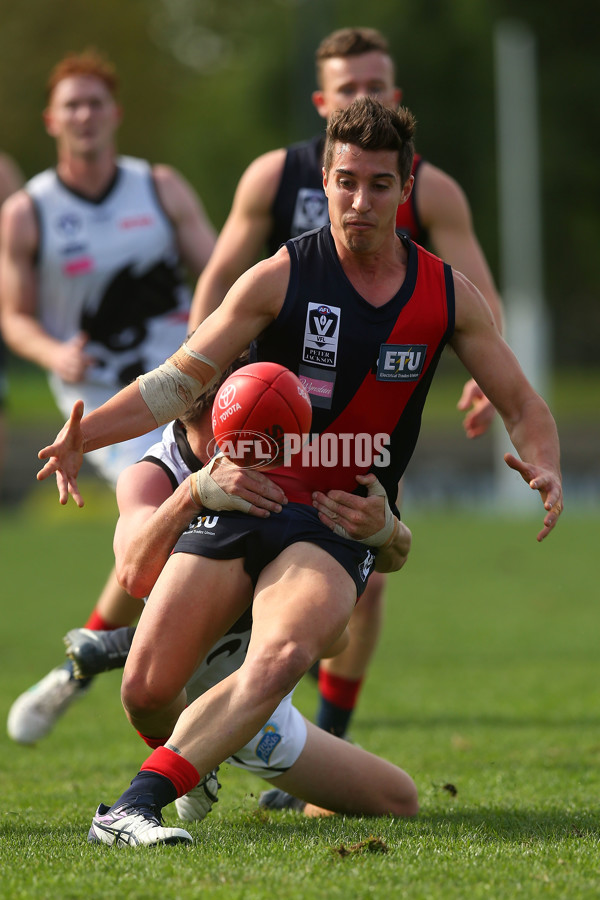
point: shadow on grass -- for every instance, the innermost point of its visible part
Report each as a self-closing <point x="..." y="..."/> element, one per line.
<point x="490" y="826"/>
<point x="509" y="826"/>
<point x="496" y="720"/>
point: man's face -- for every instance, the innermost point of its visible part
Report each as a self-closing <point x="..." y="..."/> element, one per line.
<point x="82" y="116"/>
<point x="363" y="191"/>
<point x="346" y="78"/>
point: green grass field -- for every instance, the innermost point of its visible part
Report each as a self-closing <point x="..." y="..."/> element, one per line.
<point x="487" y="680"/>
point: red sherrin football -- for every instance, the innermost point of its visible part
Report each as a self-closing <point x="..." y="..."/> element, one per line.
<point x="259" y="414"/>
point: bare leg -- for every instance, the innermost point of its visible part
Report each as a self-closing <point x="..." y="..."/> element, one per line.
<point x="335" y="776"/>
<point x="302" y="603"/>
<point x="116" y="606"/>
<point x="194" y="601"/>
<point x="364" y="630"/>
<point x="341" y="677"/>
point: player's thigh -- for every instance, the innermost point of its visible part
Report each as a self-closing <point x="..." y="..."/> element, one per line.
<point x="304" y="595"/>
<point x="194" y="602"/>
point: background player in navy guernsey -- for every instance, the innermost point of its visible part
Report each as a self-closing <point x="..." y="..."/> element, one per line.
<point x="303" y="568"/>
<point x="93" y="291"/>
<point x="280" y="196"/>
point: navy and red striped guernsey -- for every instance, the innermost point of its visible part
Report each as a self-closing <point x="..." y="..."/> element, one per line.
<point x="367" y="369"/>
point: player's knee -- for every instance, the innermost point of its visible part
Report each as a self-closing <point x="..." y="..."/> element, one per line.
<point x="141" y="696"/>
<point x="402" y="798"/>
<point x="279" y="667"/>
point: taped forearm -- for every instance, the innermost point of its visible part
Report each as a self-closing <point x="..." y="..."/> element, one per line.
<point x="168" y="390"/>
<point x="205" y="491"/>
<point x="392" y="555"/>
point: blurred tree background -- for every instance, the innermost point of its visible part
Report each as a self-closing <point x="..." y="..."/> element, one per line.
<point x="207" y="86"/>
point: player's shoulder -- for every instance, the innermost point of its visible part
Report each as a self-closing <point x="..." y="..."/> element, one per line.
<point x="265" y="168"/>
<point x="18" y="217"/>
<point x="433" y="180"/>
<point x="259" y="182"/>
<point x="44" y="181"/>
<point x="439" y="197"/>
<point x="163" y="176"/>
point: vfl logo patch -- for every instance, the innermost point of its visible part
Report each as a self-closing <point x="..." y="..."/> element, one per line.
<point x="311" y="211"/>
<point x="401" y="362"/>
<point x="321" y="334"/>
<point x="68" y="225"/>
<point x="267" y="744"/>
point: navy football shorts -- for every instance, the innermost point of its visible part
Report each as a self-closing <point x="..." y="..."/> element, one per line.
<point x="236" y="535"/>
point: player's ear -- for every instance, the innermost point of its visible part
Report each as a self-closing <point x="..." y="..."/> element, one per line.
<point x="48" y="122"/>
<point x="318" y="99"/>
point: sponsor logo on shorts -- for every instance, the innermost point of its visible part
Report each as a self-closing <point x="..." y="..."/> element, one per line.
<point x="366" y="565"/>
<point x="204" y="523"/>
<point x="267" y="743"/>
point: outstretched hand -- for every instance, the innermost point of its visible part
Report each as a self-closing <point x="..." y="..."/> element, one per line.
<point x="480" y="411"/>
<point x="547" y="483"/>
<point x="65" y="456"/>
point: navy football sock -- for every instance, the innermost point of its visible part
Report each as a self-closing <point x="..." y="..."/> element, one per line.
<point x="333" y="718"/>
<point x="148" y="789"/>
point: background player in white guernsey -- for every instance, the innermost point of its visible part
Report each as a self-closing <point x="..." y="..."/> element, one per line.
<point x="92" y="290"/>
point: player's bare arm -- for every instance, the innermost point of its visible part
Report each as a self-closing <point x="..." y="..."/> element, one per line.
<point x="20" y="326"/>
<point x="243" y="236"/>
<point x="11" y="177"/>
<point x="525" y="414"/>
<point x="153" y="516"/>
<point x="445" y="212"/>
<point x="195" y="234"/>
<point x="147" y="528"/>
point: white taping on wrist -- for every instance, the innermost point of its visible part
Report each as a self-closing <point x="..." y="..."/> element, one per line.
<point x="384" y="535"/>
<point x="206" y="492"/>
<point x="168" y="390"/>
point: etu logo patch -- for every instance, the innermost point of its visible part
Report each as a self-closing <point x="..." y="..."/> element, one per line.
<point x="401" y="362"/>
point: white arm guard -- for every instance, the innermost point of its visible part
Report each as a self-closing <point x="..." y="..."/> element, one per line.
<point x="385" y="535"/>
<point x="168" y="390"/>
<point x="205" y="491"/>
